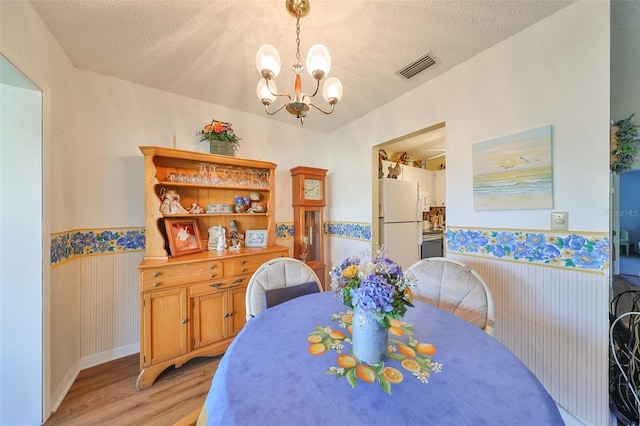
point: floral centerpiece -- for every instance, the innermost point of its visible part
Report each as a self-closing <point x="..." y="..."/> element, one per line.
<point x="379" y="292"/>
<point x="221" y="137"/>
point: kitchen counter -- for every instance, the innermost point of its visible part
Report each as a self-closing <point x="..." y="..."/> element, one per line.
<point x="432" y="235"/>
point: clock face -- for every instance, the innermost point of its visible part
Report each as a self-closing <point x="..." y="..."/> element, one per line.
<point x="312" y="189"/>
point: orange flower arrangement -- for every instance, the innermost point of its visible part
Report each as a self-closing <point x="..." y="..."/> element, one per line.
<point x="219" y="131"/>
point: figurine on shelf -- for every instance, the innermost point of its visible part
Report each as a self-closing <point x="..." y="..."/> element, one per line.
<point x="171" y="202"/>
<point x="256" y="205"/>
<point x="212" y="243"/>
<point x="241" y="204"/>
<point x="394" y="171"/>
<point x="195" y="209"/>
<point x="222" y="239"/>
<point x="235" y="237"/>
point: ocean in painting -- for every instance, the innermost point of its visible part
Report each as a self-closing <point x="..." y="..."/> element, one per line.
<point x="514" y="172"/>
<point x="529" y="188"/>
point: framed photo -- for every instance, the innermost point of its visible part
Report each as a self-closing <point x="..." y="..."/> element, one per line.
<point x="183" y="236"/>
<point x="256" y="238"/>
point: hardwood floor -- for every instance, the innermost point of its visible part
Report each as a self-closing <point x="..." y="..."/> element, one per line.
<point x="106" y="394"/>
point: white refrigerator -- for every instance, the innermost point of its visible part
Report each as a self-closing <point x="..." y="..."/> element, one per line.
<point x="400" y="220"/>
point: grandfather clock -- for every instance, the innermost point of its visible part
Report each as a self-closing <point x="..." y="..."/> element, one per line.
<point x="308" y="201"/>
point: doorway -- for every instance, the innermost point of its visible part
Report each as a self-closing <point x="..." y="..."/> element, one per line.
<point x="427" y="145"/>
<point x="22" y="245"/>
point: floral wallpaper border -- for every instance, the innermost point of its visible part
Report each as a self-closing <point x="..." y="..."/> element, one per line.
<point x="67" y="245"/>
<point x="584" y="251"/>
<point x="351" y="230"/>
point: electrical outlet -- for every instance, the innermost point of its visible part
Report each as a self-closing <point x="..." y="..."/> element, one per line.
<point x="560" y="221"/>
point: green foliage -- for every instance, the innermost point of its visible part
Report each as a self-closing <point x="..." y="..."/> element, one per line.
<point x="627" y="144"/>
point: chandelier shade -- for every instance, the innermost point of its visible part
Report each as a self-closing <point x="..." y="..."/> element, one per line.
<point x="318" y="59"/>
<point x="318" y="65"/>
<point x="268" y="59"/>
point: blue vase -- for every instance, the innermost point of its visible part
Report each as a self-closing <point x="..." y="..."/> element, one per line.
<point x="369" y="338"/>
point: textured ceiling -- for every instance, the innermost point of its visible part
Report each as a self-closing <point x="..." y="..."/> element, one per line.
<point x="206" y="49"/>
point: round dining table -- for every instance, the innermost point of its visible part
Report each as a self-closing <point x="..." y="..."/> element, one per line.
<point x="292" y="365"/>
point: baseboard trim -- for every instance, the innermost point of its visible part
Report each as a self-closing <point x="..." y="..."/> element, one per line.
<point x="106" y="356"/>
<point x="570" y="419"/>
<point x="64" y="386"/>
<point x="86" y="362"/>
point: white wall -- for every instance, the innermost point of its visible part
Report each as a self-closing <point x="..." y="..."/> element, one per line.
<point x="21" y="295"/>
<point x="545" y="75"/>
<point x="114" y="117"/>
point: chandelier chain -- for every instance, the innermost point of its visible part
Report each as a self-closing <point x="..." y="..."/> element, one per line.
<point x="298" y="36"/>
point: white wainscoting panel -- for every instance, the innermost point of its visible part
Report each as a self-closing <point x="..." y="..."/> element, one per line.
<point x="556" y="321"/>
<point x="109" y="302"/>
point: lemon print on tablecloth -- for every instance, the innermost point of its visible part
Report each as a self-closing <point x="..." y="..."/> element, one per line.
<point x="410" y="355"/>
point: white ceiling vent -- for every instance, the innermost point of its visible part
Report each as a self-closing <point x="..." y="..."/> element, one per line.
<point x="416" y="67"/>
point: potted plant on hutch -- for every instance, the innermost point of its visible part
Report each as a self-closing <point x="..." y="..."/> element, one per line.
<point x="221" y="137"/>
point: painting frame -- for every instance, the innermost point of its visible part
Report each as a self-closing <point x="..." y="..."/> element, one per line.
<point x="183" y="243"/>
<point x="255" y="238"/>
<point x="514" y="172"/>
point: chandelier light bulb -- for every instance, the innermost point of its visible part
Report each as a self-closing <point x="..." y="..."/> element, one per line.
<point x="332" y="90"/>
<point x="265" y="91"/>
<point x="318" y="59"/>
<point x="318" y="65"/>
<point x="268" y="60"/>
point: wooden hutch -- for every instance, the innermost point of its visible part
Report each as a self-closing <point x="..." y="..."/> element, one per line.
<point x="193" y="305"/>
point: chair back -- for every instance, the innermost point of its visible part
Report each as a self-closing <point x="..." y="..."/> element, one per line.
<point x="455" y="288"/>
<point x="624" y="235"/>
<point x="281" y="273"/>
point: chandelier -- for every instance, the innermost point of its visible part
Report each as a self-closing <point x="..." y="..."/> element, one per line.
<point x="318" y="66"/>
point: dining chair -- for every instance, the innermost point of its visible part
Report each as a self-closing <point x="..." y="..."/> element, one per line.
<point x="624" y="241"/>
<point x="277" y="281"/>
<point x="455" y="288"/>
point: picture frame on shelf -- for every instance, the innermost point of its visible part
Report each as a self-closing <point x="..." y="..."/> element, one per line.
<point x="183" y="236"/>
<point x="256" y="238"/>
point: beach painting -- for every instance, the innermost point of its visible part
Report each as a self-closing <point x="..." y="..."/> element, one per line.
<point x="514" y="172"/>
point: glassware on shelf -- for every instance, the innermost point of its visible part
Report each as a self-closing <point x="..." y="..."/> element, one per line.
<point x="203" y="174"/>
<point x="214" y="179"/>
<point x="172" y="177"/>
<point x="243" y="177"/>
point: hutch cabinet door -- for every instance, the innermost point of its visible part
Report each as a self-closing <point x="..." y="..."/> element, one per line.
<point x="165" y="325"/>
<point x="208" y="319"/>
<point x="238" y="309"/>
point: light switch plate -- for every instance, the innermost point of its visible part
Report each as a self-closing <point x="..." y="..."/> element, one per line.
<point x="560" y="221"/>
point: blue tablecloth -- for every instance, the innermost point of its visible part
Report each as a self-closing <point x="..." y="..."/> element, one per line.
<point x="269" y="376"/>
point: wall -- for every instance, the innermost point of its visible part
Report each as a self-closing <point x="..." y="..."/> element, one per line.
<point x="20" y="254"/>
<point x="544" y="75"/>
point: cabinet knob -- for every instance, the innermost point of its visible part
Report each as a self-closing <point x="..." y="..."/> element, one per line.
<point x="156" y="284"/>
<point x="228" y="314"/>
<point x="216" y="285"/>
<point x="212" y="276"/>
<point x="212" y="266"/>
<point x="244" y="269"/>
<point x="243" y="261"/>
<point x="155" y="274"/>
<point x="238" y="280"/>
<point x="184" y="321"/>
